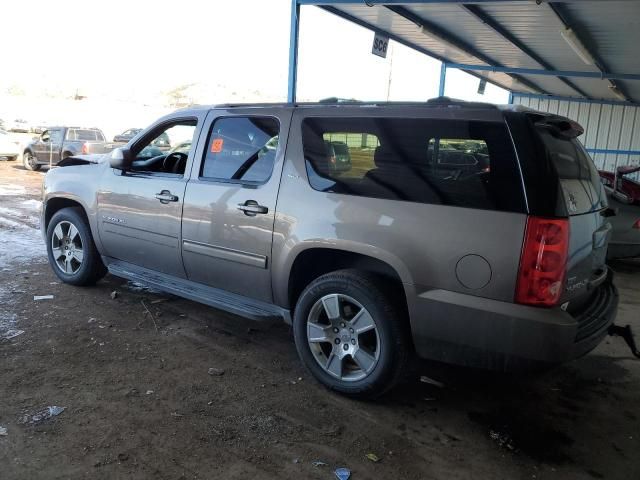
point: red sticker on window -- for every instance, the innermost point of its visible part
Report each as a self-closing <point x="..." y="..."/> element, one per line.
<point x="216" y="145"/>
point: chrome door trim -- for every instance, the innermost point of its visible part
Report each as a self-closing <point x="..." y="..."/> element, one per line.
<point x="246" y="258"/>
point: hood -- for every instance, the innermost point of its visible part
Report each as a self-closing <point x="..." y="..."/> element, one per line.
<point x="82" y="160"/>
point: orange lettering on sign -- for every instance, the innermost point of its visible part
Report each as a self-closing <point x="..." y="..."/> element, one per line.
<point x="216" y="145"/>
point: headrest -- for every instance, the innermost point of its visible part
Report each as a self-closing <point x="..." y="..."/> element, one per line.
<point x="384" y="156"/>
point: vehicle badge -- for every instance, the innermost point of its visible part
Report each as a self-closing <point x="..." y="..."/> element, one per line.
<point x="573" y="205"/>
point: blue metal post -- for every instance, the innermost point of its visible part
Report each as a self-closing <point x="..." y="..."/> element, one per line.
<point x="443" y="79"/>
<point x="293" y="51"/>
<point x="510" y="97"/>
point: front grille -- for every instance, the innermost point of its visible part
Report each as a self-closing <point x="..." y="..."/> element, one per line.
<point x="596" y="316"/>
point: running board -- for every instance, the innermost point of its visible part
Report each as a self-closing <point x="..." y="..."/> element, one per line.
<point x="214" y="297"/>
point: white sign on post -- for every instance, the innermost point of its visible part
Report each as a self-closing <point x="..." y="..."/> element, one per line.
<point x="380" y="44"/>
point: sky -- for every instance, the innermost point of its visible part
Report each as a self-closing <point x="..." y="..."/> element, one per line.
<point x="137" y="51"/>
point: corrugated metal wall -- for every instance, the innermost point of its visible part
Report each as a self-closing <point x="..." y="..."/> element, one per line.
<point x="607" y="127"/>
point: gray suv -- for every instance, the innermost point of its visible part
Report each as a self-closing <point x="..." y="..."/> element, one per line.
<point x="459" y="232"/>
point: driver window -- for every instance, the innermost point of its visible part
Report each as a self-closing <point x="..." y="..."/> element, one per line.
<point x="167" y="151"/>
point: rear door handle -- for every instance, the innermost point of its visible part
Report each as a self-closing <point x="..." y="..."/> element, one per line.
<point x="251" y="208"/>
<point x="165" y="196"/>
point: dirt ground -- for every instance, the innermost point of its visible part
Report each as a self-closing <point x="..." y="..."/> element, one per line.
<point x="140" y="400"/>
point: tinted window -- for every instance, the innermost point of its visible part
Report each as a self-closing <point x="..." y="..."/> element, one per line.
<point x="578" y="176"/>
<point x="461" y="163"/>
<point x="241" y="149"/>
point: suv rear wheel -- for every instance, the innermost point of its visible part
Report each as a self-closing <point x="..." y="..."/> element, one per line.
<point x="350" y="334"/>
<point x="72" y="253"/>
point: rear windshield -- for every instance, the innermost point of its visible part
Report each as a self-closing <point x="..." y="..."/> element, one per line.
<point x="449" y="162"/>
<point x="579" y="178"/>
<point x="85" y="135"/>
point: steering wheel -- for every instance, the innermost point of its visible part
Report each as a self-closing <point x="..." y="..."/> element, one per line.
<point x="172" y="160"/>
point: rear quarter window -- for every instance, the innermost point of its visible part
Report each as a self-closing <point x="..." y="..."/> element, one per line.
<point x="449" y="162"/>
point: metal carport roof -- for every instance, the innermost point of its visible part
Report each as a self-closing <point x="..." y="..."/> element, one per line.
<point x="567" y="48"/>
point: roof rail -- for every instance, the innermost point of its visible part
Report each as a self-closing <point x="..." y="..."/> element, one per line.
<point x="447" y="101"/>
<point x="339" y="100"/>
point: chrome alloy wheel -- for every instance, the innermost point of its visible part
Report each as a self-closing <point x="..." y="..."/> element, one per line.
<point x="67" y="248"/>
<point x="343" y="337"/>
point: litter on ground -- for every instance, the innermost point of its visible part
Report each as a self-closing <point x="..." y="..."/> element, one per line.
<point x="373" y="457"/>
<point x="343" y="473"/>
<point x="42" y="415"/>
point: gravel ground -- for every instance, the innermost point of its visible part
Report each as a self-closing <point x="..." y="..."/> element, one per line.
<point x="195" y="393"/>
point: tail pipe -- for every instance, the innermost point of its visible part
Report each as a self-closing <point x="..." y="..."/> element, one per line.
<point x="627" y="335"/>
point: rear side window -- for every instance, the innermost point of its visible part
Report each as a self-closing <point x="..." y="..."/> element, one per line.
<point x="579" y="178"/>
<point x="241" y="149"/>
<point x="461" y="163"/>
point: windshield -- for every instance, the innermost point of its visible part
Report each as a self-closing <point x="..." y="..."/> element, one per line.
<point x="579" y="178"/>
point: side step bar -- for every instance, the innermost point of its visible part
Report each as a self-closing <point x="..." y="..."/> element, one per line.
<point x="214" y="297"/>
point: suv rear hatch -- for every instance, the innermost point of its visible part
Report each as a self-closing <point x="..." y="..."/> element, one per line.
<point x="563" y="186"/>
<point x="585" y="202"/>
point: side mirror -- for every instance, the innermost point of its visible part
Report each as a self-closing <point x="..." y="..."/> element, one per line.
<point x="121" y="159"/>
<point x="45" y="138"/>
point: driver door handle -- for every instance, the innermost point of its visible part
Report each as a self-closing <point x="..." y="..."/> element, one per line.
<point x="251" y="208"/>
<point x="165" y="196"/>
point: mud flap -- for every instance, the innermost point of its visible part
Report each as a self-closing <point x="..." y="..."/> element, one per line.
<point x="626" y="333"/>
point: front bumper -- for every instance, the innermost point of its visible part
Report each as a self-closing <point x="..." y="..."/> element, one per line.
<point x="477" y="332"/>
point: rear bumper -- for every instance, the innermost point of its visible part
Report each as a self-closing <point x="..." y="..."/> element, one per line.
<point x="465" y="330"/>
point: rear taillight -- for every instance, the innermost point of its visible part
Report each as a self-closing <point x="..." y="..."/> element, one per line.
<point x="543" y="262"/>
<point x="636" y="224"/>
<point x="85" y="148"/>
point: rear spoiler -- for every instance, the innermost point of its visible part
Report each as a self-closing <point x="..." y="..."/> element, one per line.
<point x="560" y="126"/>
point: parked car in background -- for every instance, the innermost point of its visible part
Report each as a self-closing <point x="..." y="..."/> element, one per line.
<point x="162" y="142"/>
<point x="182" y="147"/>
<point x="624" y="198"/>
<point x="38" y="128"/>
<point x="18" y="125"/>
<point x="339" y="157"/>
<point x="9" y="148"/>
<point x="498" y="266"/>
<point x="127" y="135"/>
<point x="57" y="143"/>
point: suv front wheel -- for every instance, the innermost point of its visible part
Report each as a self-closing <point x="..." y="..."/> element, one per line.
<point x="30" y="162"/>
<point x="350" y="334"/>
<point x="72" y="253"/>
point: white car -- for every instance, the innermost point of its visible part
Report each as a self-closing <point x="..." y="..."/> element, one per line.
<point x="9" y="148"/>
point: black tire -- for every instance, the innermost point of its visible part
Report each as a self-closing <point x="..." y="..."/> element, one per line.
<point x="91" y="269"/>
<point x="30" y="162"/>
<point x="12" y="159"/>
<point x="393" y="338"/>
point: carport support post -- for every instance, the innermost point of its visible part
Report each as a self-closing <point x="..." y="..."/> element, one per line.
<point x="293" y="51"/>
<point x="443" y="78"/>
